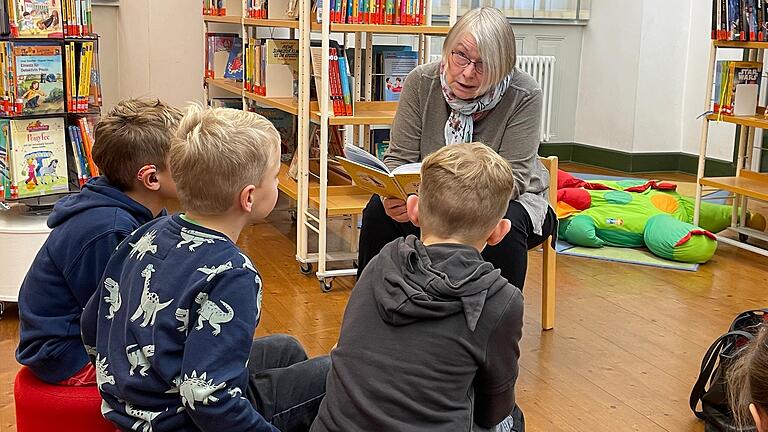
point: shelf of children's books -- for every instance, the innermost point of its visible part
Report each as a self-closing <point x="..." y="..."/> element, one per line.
<point x="365" y="113"/>
<point x="50" y="39"/>
<point x="384" y="29"/>
<point x="277" y="23"/>
<point x="740" y="44"/>
<point x="81" y="38"/>
<point x="758" y="120"/>
<point x="289" y="105"/>
<point x="226" y="84"/>
<point x="85" y="113"/>
<point x="228" y="19"/>
<point x="41" y="200"/>
<point x="749" y="183"/>
<point x="33" y="116"/>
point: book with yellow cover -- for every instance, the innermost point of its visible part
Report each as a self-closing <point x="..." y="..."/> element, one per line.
<point x="369" y="173"/>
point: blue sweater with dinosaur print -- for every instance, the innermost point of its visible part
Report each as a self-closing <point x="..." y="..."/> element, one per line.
<point x="170" y="330"/>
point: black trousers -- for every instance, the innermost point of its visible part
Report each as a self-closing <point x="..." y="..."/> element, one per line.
<point x="285" y="387"/>
<point x="510" y="255"/>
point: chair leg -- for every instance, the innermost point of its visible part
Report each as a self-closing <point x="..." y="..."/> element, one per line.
<point x="548" y="287"/>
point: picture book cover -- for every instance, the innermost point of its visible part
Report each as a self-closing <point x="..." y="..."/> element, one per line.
<point x="37" y="19"/>
<point x="396" y="66"/>
<point x="234" y="68"/>
<point x="38" y="157"/>
<point x="218" y="47"/>
<point x="40" y="78"/>
<point x="743" y="87"/>
<point x="285" y="123"/>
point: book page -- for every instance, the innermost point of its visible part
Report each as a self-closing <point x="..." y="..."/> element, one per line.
<point x="410" y="168"/>
<point x="358" y="155"/>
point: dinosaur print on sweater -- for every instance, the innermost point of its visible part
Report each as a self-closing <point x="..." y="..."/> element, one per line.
<point x="144" y="418"/>
<point x="113" y="299"/>
<point x="211" y="312"/>
<point x="139" y="358"/>
<point x="196" y="389"/>
<point x="102" y="376"/>
<point x="214" y="270"/>
<point x="196" y="238"/>
<point x="144" y="245"/>
<point x="150" y="302"/>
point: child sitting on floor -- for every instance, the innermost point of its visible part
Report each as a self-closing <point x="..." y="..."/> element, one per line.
<point x="177" y="352"/>
<point x="429" y="340"/>
<point x="131" y="144"/>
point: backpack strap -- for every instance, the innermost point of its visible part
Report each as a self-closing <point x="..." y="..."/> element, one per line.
<point x="708" y="364"/>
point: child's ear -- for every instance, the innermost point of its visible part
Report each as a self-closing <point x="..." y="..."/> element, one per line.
<point x="759" y="420"/>
<point x="147" y="175"/>
<point x="499" y="232"/>
<point x="247" y="198"/>
<point x="412" y="207"/>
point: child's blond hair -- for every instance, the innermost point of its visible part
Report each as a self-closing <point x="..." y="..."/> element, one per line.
<point x="136" y="132"/>
<point x="748" y="380"/>
<point x="216" y="153"/>
<point x="465" y="191"/>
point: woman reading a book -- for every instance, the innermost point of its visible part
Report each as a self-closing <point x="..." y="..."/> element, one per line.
<point x="474" y="93"/>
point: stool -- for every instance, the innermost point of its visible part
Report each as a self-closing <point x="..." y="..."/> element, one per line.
<point x="42" y="407"/>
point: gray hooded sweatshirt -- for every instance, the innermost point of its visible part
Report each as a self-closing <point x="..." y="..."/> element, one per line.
<point x="429" y="342"/>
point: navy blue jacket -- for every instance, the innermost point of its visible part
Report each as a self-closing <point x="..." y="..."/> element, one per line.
<point x="171" y="328"/>
<point x="87" y="227"/>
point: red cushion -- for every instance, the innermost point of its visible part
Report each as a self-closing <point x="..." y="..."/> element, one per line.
<point x="42" y="407"/>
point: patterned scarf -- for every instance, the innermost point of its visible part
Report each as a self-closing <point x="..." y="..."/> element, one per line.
<point x="461" y="123"/>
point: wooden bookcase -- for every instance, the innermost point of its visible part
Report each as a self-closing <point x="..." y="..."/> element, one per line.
<point x="327" y="195"/>
<point x="746" y="184"/>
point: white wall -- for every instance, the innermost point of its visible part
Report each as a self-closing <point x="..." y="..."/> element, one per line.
<point x="605" y="112"/>
<point x="151" y="48"/>
<point x="643" y="78"/>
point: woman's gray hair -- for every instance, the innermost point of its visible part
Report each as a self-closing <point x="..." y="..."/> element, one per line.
<point x="495" y="41"/>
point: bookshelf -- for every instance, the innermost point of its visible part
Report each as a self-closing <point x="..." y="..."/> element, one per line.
<point x="747" y="183"/>
<point x="326" y="194"/>
<point x="56" y="119"/>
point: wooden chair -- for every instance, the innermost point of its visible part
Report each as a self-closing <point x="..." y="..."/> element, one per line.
<point x="550" y="254"/>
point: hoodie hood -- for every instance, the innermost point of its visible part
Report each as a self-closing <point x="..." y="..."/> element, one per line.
<point x="435" y="281"/>
<point x="98" y="192"/>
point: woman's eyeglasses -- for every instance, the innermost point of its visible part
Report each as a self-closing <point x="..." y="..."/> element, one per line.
<point x="462" y="61"/>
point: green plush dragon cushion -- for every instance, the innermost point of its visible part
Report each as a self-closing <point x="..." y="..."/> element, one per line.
<point x="638" y="213"/>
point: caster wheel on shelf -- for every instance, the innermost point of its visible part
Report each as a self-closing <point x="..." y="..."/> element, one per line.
<point x="326" y="285"/>
<point x="306" y="268"/>
<point x="2" y="309"/>
<point x="743" y="238"/>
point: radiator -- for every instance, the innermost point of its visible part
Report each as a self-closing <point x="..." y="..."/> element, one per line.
<point x="542" y="69"/>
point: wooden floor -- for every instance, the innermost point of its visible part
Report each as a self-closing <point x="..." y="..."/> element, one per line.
<point x="623" y="355"/>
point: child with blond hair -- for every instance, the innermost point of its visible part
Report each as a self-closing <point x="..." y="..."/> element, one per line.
<point x="175" y="351"/>
<point x="429" y="339"/>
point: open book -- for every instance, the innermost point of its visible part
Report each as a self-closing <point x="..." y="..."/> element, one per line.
<point x="371" y="174"/>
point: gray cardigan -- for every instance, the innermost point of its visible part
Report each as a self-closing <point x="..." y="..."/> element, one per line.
<point x="511" y="128"/>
